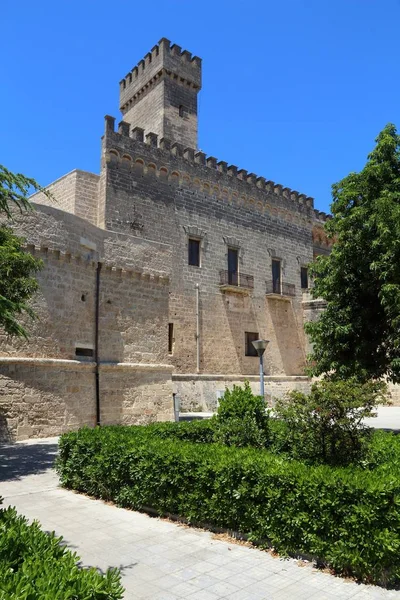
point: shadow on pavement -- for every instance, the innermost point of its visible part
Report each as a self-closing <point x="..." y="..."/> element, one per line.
<point x="19" y="460"/>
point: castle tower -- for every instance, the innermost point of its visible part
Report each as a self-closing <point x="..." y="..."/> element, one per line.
<point x="160" y="94"/>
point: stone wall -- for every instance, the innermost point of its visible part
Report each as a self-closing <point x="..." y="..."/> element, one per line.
<point x="42" y="397"/>
<point x="87" y="195"/>
<point x="63" y="192"/>
<point x="149" y="112"/>
<point x="136" y="393"/>
<point x="46" y="385"/>
<point x="394" y="391"/>
<point x="168" y="195"/>
<point x="199" y="393"/>
<point x="76" y="193"/>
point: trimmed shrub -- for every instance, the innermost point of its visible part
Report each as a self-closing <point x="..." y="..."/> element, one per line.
<point x="35" y="566"/>
<point x="327" y="424"/>
<point x="347" y="517"/>
<point x="242" y="419"/>
<point x="201" y="431"/>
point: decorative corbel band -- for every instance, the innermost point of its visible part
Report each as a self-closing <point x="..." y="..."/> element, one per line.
<point x="232" y="242"/>
<point x="277" y="253"/>
<point x="194" y="231"/>
<point x="303" y="260"/>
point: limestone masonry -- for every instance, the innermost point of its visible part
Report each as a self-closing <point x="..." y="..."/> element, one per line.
<point x="158" y="272"/>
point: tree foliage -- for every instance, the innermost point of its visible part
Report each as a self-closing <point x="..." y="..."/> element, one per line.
<point x="358" y="335"/>
<point x="327" y="425"/>
<point x="14" y="191"/>
<point x="17" y="283"/>
<point x="17" y="267"/>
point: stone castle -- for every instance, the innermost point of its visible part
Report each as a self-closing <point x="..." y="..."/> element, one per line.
<point x="158" y="273"/>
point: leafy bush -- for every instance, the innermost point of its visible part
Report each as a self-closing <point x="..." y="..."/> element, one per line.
<point x="201" y="431"/>
<point x="34" y="566"/>
<point x="241" y="419"/>
<point x="348" y="517"/>
<point x="327" y="425"/>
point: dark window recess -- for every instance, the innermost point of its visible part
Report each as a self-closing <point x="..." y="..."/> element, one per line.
<point x="170" y="337"/>
<point x="233" y="261"/>
<point x="194" y="253"/>
<point x="251" y="337"/>
<point x="183" y="112"/>
<point x="304" y="278"/>
<point x="83" y="351"/>
<point x="83" y="297"/>
<point x="276" y="276"/>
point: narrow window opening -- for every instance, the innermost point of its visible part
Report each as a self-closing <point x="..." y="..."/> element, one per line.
<point x="304" y="278"/>
<point x="83" y="297"/>
<point x="183" y="111"/>
<point x="276" y="276"/>
<point x="249" y="338"/>
<point x="170" y="338"/>
<point x="233" y="264"/>
<point x="194" y="252"/>
<point x="83" y="351"/>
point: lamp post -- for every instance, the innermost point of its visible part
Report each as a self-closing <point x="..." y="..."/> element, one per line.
<point x="260" y="346"/>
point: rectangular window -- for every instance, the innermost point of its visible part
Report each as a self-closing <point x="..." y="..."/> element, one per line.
<point x="83" y="351"/>
<point x="233" y="261"/>
<point x="194" y="252"/>
<point x="276" y="276"/>
<point x="249" y="338"/>
<point x="170" y="338"/>
<point x="304" y="278"/>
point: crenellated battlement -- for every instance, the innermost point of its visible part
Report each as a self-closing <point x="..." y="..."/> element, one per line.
<point x="321" y="216"/>
<point x="72" y="256"/>
<point x="164" y="61"/>
<point x="136" y="141"/>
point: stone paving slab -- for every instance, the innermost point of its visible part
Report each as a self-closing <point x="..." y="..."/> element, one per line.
<point x="159" y="560"/>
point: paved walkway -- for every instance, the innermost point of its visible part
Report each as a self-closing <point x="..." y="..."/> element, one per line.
<point x="159" y="560"/>
<point x="388" y="418"/>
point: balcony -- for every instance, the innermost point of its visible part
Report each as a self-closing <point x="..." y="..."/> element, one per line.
<point x="236" y="282"/>
<point x="278" y="289"/>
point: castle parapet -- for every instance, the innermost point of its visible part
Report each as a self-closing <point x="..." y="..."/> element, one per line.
<point x="164" y="60"/>
<point x="321" y="216"/>
<point x="219" y="168"/>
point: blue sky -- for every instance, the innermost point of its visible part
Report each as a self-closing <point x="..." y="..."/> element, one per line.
<point x="293" y="90"/>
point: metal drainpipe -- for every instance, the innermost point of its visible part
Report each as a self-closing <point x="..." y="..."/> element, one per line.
<point x="197" y="328"/>
<point x="96" y="343"/>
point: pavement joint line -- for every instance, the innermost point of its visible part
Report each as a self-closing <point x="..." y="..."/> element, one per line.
<point x="30" y="493"/>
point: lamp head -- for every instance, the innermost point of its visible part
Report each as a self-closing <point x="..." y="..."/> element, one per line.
<point x="260" y="346"/>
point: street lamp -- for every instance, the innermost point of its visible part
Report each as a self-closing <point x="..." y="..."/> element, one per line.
<point x="260" y="346"/>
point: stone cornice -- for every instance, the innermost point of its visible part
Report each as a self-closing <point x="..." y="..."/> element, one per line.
<point x="126" y="366"/>
<point x="222" y="377"/>
<point x="58" y="363"/>
<point x="61" y="363"/>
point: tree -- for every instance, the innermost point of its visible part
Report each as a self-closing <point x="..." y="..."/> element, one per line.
<point x="327" y="425"/>
<point x="17" y="267"/>
<point x="358" y="335"/>
<point x="14" y="190"/>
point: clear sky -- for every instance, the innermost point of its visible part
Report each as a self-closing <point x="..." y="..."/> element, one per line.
<point x="293" y="90"/>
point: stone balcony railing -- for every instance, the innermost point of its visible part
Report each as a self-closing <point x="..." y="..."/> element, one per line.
<point x="279" y="288"/>
<point x="236" y="281"/>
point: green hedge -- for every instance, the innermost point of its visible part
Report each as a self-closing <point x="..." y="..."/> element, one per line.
<point x="347" y="517"/>
<point x="34" y="566"/>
